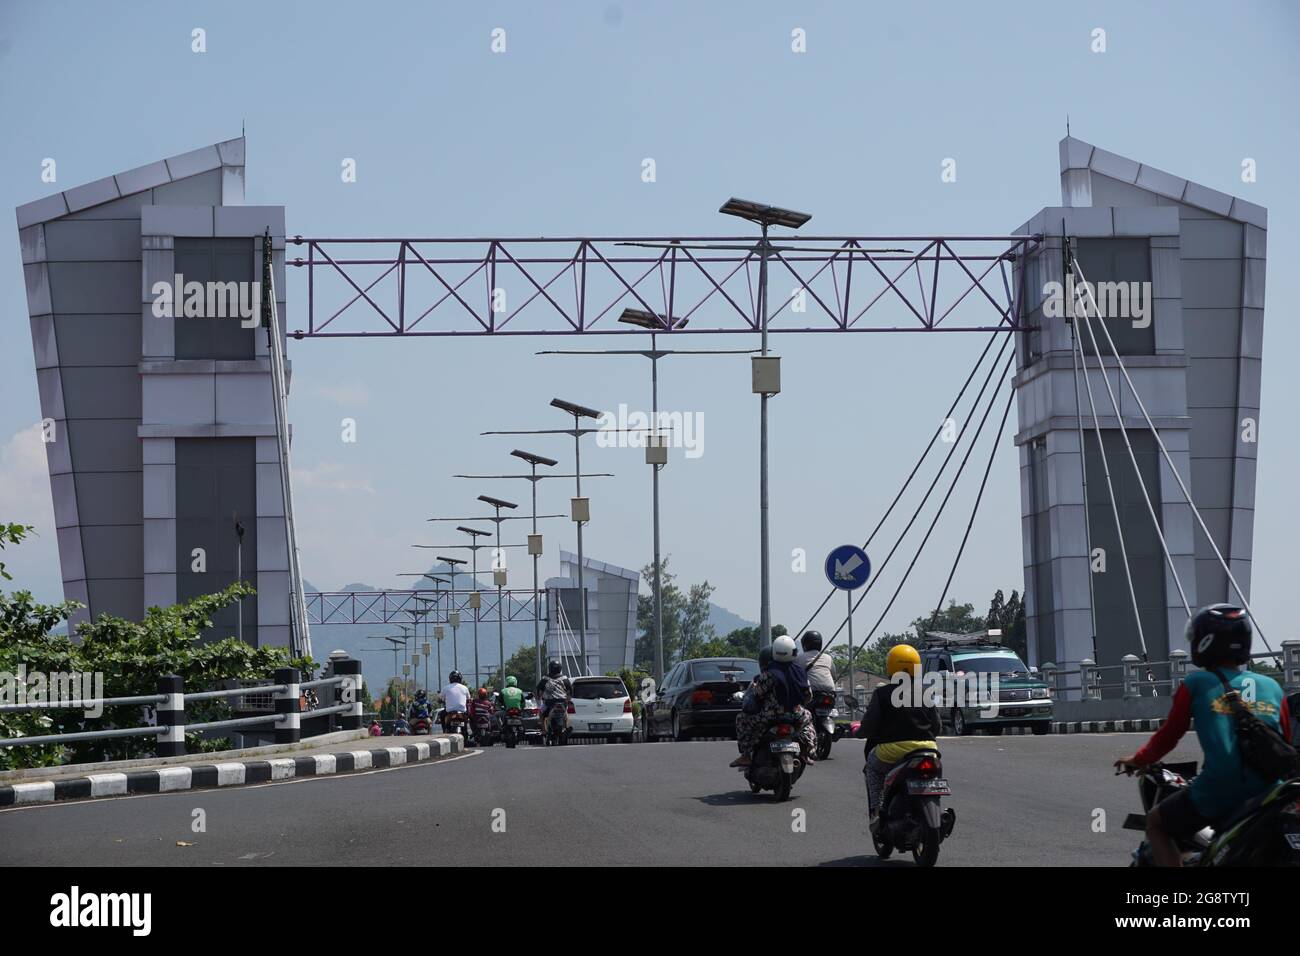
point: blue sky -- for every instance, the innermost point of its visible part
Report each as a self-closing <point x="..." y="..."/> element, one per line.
<point x="548" y="139"/>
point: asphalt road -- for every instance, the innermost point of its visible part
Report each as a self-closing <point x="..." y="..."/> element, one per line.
<point x="1019" y="800"/>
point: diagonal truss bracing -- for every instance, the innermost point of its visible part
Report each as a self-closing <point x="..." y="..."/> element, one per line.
<point x="359" y="287"/>
<point x="397" y="607"/>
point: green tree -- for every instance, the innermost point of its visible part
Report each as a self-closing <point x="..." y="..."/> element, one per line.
<point x="522" y="664"/>
<point x="12" y="534"/>
<point x="686" y="626"/>
<point x="954" y="619"/>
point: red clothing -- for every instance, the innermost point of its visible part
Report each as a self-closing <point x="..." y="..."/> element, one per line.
<point x="482" y="708"/>
<point x="1178" y="722"/>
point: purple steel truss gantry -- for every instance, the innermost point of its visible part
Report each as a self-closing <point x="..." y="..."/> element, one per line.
<point x="537" y="286"/>
<point x="388" y="607"/>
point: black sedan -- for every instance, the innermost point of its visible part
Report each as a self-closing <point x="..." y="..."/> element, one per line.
<point x="699" y="698"/>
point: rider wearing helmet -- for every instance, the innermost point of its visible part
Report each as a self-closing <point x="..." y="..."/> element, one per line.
<point x="1220" y="639"/>
<point x="553" y="691"/>
<point x="455" y="697"/>
<point x="481" y="708"/>
<point x="420" y="706"/>
<point x="781" y="687"/>
<point x="816" y="664"/>
<point x="893" y="731"/>
<point x="511" y="696"/>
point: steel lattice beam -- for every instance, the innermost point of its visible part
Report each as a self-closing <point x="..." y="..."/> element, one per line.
<point x="396" y="607"/>
<point x="530" y="286"/>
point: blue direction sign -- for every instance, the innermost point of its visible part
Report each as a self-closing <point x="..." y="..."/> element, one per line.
<point x="848" y="567"/>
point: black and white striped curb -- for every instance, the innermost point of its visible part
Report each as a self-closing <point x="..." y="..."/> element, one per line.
<point x="1108" y="726"/>
<point x="231" y="774"/>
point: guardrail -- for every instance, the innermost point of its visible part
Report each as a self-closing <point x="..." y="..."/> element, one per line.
<point x="1134" y="674"/>
<point x="169" y="703"/>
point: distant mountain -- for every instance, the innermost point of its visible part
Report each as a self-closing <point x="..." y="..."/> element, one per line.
<point x="724" y="621"/>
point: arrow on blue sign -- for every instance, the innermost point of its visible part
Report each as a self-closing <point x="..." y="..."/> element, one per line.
<point x="848" y="567"/>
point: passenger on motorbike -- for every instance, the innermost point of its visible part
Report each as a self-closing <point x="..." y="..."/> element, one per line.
<point x="481" y="707"/>
<point x="553" y="691"/>
<point x="455" y="698"/>
<point x="820" y="675"/>
<point x="1220" y="639"/>
<point x="420" y="706"/>
<point x="781" y="687"/>
<point x="891" y="731"/>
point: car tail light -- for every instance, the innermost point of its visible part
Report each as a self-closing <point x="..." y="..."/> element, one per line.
<point x="570" y="709"/>
<point x="627" y="706"/>
<point x="784" y="730"/>
<point x="1293" y="810"/>
<point x="827" y="701"/>
<point x="927" y="767"/>
<point x="702" y="697"/>
<point x="513" y="711"/>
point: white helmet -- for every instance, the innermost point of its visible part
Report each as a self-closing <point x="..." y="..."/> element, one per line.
<point x="783" y="649"/>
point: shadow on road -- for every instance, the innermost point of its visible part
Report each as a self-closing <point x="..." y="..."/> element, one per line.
<point x="734" y="798"/>
<point x="868" y="861"/>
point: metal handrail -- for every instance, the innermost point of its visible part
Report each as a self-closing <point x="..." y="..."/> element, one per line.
<point x="239" y="692"/>
<point x="82" y="704"/>
<point x="81" y="735"/>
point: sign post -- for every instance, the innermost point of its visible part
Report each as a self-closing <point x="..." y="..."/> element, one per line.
<point x="847" y="568"/>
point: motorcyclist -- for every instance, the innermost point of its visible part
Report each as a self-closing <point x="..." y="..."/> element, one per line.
<point x="1220" y="638"/>
<point x="400" y="727"/>
<point x="553" y="691"/>
<point x="481" y="707"/>
<point x="511" y="695"/>
<point x="893" y="731"/>
<point x="781" y="687"/>
<point x="420" y="706"/>
<point x="455" y="698"/>
<point x="820" y="675"/>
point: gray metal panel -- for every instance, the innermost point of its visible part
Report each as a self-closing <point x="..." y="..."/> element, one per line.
<point x="108" y="240"/>
<point x="116" y="596"/>
<point x="94" y="287"/>
<point x="113" y="551"/>
<point x="109" y="497"/>
<point x="1212" y="383"/>
<point x="1211" y="284"/>
<point x="104" y="444"/>
<point x="1211" y="239"/>
<point x="128" y="207"/>
<point x="99" y="339"/>
<point x="1211" y="333"/>
<point x="110" y="391"/>
<point x="201" y="190"/>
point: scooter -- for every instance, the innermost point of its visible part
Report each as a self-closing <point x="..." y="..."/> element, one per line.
<point x="513" y="730"/>
<point x="457" y="723"/>
<point x="556" y="731"/>
<point x="1264" y="831"/>
<point x="823" y="709"/>
<point x="910" y="817"/>
<point x="776" y="762"/>
<point x="421" y="723"/>
<point x="484" y="731"/>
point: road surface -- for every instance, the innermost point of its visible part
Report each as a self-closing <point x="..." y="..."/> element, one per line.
<point x="1019" y="799"/>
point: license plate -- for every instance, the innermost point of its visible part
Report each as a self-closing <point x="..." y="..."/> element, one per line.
<point x="515" y="722"/>
<point x="929" y="788"/>
<point x="781" y="746"/>
<point x="1294" y="840"/>
<point x="600" y="726"/>
<point x="823" y="711"/>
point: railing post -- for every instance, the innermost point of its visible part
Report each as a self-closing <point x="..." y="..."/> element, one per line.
<point x="1179" y="661"/>
<point x="1050" y="671"/>
<point x="1089" y="679"/>
<point x="350" y="691"/>
<point x="1291" y="665"/>
<point x="171" y="714"/>
<point x="288" y="725"/>
<point x="1131" y="676"/>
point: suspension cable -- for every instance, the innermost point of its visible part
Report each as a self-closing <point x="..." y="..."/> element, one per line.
<point x="1114" y="401"/>
<point x="921" y="460"/>
<point x="1083" y="479"/>
<point x="938" y="513"/>
<point x="1187" y="495"/>
<point x="1110" y="491"/>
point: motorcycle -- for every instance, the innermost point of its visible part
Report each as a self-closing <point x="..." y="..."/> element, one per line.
<point x="457" y="723"/>
<point x="513" y="731"/>
<point x="910" y="817"/>
<point x="557" y="731"/>
<point x="484" y="730"/>
<point x="823" y="708"/>
<point x="776" y="762"/>
<point x="421" y="723"/>
<point x="1264" y="831"/>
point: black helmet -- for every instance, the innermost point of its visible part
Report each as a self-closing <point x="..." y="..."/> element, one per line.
<point x="1219" y="634"/>
<point x="811" y="640"/>
<point x="765" y="658"/>
<point x="421" y="694"/>
<point x="553" y="669"/>
<point x="455" y="678"/>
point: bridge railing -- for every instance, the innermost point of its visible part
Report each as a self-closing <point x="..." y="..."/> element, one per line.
<point x="1132" y="675"/>
<point x="169" y="704"/>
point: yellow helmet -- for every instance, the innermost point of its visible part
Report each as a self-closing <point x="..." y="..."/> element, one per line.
<point x="903" y="657"/>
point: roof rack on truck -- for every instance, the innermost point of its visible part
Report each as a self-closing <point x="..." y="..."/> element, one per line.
<point x="982" y="637"/>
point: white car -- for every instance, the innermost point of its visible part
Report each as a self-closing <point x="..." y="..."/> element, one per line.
<point x="600" y="707"/>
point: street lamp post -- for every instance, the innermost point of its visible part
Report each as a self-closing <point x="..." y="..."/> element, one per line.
<point x="656" y="453"/>
<point x="767" y="382"/>
<point x="581" y="514"/>
<point x="499" y="577"/>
